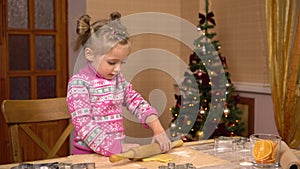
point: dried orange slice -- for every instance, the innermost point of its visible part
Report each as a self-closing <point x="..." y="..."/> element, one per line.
<point x="262" y="149"/>
<point x="274" y="152"/>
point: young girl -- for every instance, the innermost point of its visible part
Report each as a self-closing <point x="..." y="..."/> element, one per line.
<point x="97" y="92"/>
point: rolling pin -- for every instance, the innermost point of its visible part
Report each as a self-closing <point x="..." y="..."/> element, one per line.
<point x="143" y="151"/>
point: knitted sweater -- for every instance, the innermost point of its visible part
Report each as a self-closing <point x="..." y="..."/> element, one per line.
<point x="95" y="105"/>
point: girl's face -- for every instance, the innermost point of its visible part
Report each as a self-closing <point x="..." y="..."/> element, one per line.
<point x="109" y="65"/>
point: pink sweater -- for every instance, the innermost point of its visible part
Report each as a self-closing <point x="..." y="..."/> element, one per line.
<point x="95" y="105"/>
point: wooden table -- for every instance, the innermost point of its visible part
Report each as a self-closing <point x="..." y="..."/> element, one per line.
<point x="202" y="156"/>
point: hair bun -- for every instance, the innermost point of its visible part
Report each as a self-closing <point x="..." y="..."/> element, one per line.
<point x="115" y="15"/>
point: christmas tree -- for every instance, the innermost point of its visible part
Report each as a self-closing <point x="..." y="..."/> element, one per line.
<point x="205" y="107"/>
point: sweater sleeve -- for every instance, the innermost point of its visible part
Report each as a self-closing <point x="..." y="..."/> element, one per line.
<point x="137" y="105"/>
<point x="78" y="100"/>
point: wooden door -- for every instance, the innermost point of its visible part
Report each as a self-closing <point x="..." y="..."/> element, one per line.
<point x="33" y="53"/>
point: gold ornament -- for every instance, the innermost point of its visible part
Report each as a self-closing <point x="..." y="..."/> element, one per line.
<point x="199" y="134"/>
<point x="188" y="122"/>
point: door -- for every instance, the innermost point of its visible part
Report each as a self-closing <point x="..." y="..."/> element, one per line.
<point x="33" y="52"/>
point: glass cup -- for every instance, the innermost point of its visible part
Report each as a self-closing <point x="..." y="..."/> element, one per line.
<point x="265" y="150"/>
<point x="224" y="144"/>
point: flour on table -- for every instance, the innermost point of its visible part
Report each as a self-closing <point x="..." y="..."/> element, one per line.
<point x="137" y="165"/>
<point x="182" y="153"/>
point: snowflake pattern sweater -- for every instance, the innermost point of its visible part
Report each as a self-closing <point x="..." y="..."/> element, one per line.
<point x="95" y="105"/>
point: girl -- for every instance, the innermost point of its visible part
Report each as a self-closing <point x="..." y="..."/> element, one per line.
<point x="97" y="92"/>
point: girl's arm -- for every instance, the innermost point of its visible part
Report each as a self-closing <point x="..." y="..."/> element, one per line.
<point x="147" y="116"/>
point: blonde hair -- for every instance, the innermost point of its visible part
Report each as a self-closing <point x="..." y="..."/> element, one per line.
<point x="102" y="35"/>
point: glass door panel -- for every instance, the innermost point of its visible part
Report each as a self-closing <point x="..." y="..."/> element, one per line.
<point x="19" y="52"/>
<point x="19" y="88"/>
<point x="45" y="52"/>
<point x="18" y="14"/>
<point x="44" y="14"/>
<point x="46" y="87"/>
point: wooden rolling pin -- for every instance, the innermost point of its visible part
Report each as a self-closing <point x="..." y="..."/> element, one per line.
<point x="142" y="151"/>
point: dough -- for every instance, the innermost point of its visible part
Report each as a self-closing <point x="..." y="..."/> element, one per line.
<point x="160" y="157"/>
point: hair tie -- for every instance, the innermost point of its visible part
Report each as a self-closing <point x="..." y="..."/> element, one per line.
<point x="83" y="27"/>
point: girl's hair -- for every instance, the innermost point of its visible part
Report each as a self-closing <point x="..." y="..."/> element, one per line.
<point x="101" y="35"/>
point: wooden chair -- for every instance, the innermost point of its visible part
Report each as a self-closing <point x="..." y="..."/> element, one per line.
<point x="37" y="128"/>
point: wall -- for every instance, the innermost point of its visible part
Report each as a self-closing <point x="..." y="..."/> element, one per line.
<point x="239" y="29"/>
<point x="242" y="31"/>
<point x="76" y="8"/>
<point x="264" y="116"/>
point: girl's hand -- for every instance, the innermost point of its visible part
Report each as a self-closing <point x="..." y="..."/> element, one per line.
<point x="163" y="140"/>
<point x="159" y="133"/>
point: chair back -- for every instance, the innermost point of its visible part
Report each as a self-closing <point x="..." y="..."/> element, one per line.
<point x="38" y="129"/>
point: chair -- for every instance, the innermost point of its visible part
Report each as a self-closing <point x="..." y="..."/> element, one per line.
<point x="31" y="124"/>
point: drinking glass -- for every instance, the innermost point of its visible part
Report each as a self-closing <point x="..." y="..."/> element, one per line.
<point x="265" y="150"/>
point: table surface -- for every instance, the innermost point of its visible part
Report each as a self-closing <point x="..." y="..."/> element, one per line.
<point x="202" y="155"/>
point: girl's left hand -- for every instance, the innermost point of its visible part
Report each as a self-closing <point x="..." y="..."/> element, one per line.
<point x="160" y="135"/>
<point x="163" y="140"/>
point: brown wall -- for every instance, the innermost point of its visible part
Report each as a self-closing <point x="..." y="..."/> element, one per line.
<point x="242" y="31"/>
